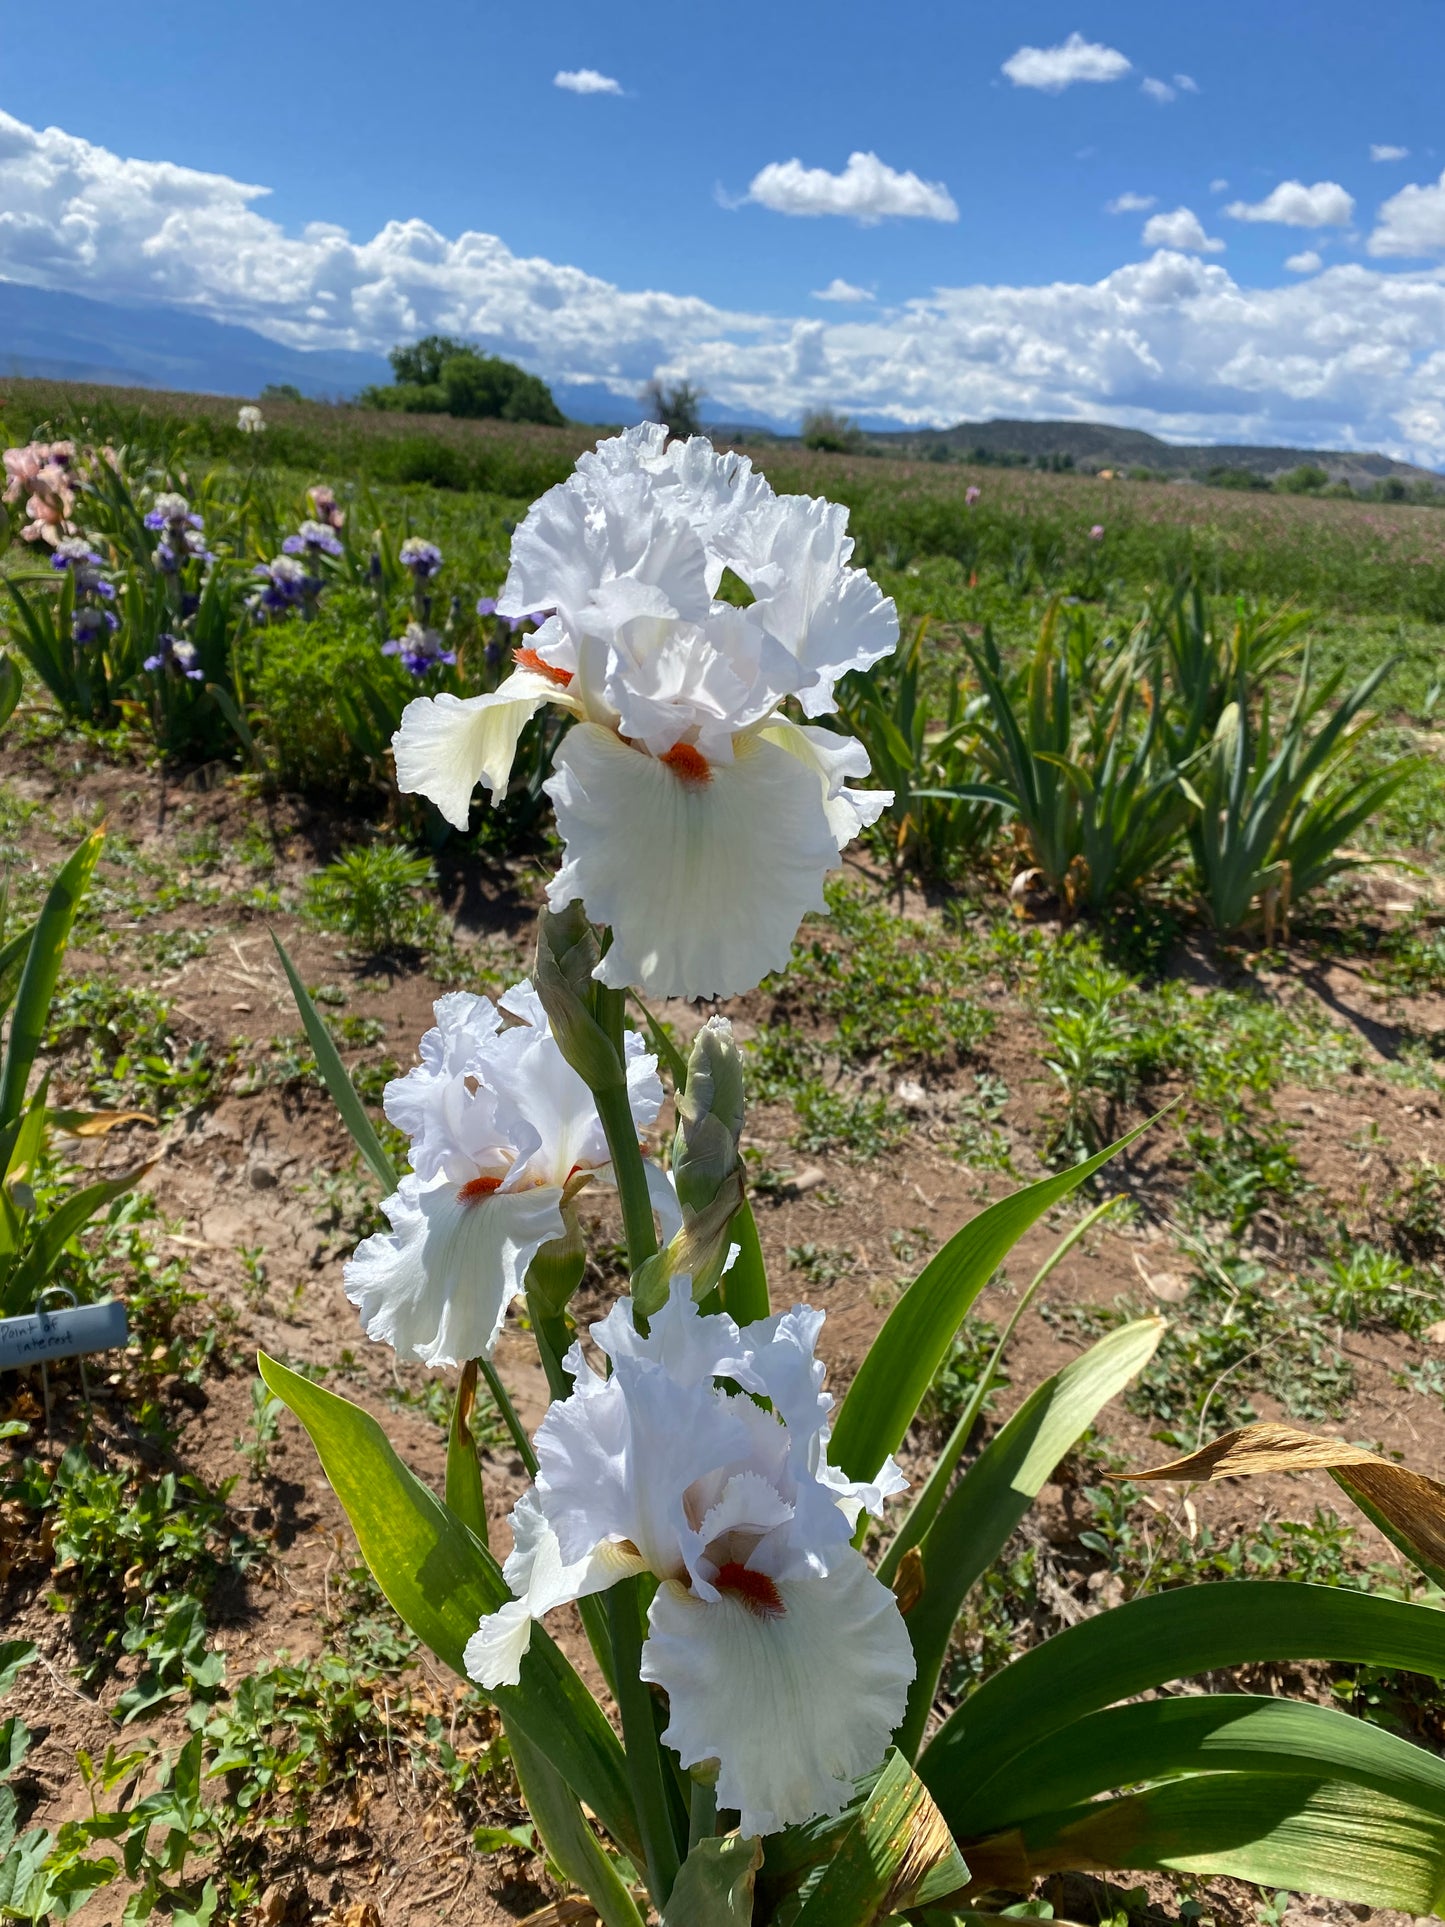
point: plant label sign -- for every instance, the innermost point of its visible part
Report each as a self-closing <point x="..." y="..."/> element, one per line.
<point x="70" y="1331"/>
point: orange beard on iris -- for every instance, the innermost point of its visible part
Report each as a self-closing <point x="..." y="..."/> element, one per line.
<point x="688" y="763"/>
<point x="529" y="659"/>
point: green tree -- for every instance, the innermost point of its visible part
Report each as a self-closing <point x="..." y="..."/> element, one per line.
<point x="676" y="404"/>
<point x="1307" y="479"/>
<point x="826" y="429"/>
<point x="439" y="375"/>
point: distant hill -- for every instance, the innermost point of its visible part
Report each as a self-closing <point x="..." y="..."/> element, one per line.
<point x="66" y="337"/>
<point x="69" y="337"/>
<point x="1097" y="445"/>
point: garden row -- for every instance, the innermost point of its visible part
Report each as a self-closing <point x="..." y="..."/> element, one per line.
<point x="238" y="616"/>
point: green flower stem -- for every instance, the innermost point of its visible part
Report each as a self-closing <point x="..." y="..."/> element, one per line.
<point x="702" y="1813"/>
<point x="502" y="1399"/>
<point x="639" y="1735"/>
<point x="627" y="1162"/>
<point x="925" y="1507"/>
<point x="646" y="1766"/>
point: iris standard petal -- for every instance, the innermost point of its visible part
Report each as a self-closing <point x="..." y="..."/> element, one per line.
<point x="793" y="553"/>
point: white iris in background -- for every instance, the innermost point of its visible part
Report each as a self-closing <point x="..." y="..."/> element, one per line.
<point x="783" y="1658"/>
<point x="699" y="821"/>
<point x="504" y="1133"/>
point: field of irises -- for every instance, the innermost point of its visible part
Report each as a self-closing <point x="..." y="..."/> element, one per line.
<point x="747" y="1111"/>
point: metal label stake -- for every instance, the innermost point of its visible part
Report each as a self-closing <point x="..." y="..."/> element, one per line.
<point x="73" y="1331"/>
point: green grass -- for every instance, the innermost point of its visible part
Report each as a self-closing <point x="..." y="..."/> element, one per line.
<point x="1029" y="529"/>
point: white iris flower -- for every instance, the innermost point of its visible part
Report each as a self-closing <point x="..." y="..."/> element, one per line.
<point x="783" y="1658"/>
<point x="699" y="821"/>
<point x="504" y="1133"/>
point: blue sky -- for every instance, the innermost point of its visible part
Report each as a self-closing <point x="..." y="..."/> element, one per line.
<point x="352" y="121"/>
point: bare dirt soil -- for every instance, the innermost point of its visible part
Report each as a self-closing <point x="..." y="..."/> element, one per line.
<point x="243" y="1173"/>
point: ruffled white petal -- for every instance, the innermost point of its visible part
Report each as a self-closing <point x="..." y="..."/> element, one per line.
<point x="692" y="1347"/>
<point x="857" y="1496"/>
<point x="706" y="487"/>
<point x="433" y="1103"/>
<point x="704" y="883"/>
<point x="537" y="1575"/>
<point x="525" y="1066"/>
<point x="437" y="1285"/>
<point x="835" y="758"/>
<point x="672" y="682"/>
<point x="493" y="1655"/>
<point x="448" y="744"/>
<point x="793" y="553"/>
<point x="592" y="1450"/>
<point x="793" y="1706"/>
<point x="578" y="539"/>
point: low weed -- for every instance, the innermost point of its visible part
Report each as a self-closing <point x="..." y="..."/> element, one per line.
<point x="1416" y="1212"/>
<point x="895" y="991"/>
<point x="821" y="1265"/>
<point x="1233" y="1336"/>
<point x="862" y="1126"/>
<point x="117" y="1534"/>
<point x="981" y="1141"/>
<point x="373" y="897"/>
<point x="131" y="1055"/>
<point x="265" y="1429"/>
<point x="1371" y="1286"/>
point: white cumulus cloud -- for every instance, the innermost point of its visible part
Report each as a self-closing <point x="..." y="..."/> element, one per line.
<point x="586" y="80"/>
<point x="840" y="290"/>
<point x="1159" y="90"/>
<point x="1292" y="204"/>
<point x="1186" y="83"/>
<point x="1131" y="203"/>
<point x="1219" y="185"/>
<point x="1052" y="69"/>
<point x="1181" y="229"/>
<point x="1350" y="357"/>
<point x="1381" y="151"/>
<point x="1412" y="221"/>
<point x="1306" y="262"/>
<point x="867" y="190"/>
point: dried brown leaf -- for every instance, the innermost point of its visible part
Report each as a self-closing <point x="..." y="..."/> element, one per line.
<point x="1407" y="1506"/>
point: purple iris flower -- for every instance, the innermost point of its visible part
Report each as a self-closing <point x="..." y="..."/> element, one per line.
<point x="421" y="557"/>
<point x="86" y="625"/>
<point x="175" y="512"/>
<point x="182" y="544"/>
<point x="312" y="538"/>
<point x="420" y="649"/>
<point x="75" y="552"/>
<point x="176" y="655"/>
<point x="286" y="583"/>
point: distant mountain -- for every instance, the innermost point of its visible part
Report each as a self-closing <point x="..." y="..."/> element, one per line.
<point x="67" y="337"/>
<point x="1097" y="445"/>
